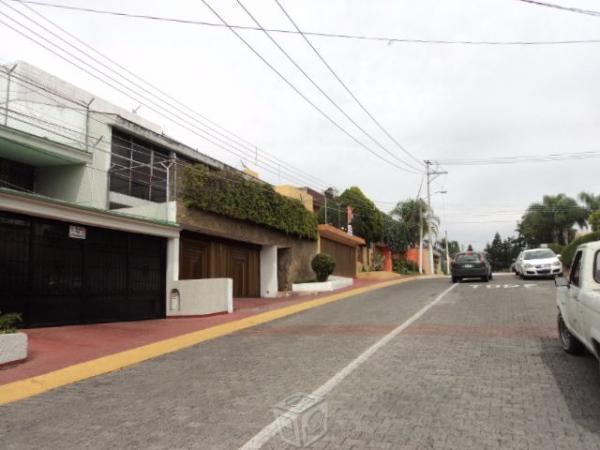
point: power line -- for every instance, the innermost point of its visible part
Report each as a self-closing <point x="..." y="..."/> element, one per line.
<point x="346" y="88"/>
<point x="550" y="157"/>
<point x="295" y="89"/>
<point x="588" y="12"/>
<point x="387" y="40"/>
<point x="249" y="145"/>
<point x="333" y="102"/>
<point x="159" y="109"/>
<point x="250" y="150"/>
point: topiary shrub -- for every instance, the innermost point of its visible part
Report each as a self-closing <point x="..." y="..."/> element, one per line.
<point x="323" y="265"/>
<point x="8" y="322"/>
<point x="569" y="251"/>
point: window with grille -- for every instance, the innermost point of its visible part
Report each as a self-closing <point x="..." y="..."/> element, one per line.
<point x="138" y="167"/>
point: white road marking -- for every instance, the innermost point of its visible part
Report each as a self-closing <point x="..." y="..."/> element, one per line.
<point x="268" y="432"/>
<point x="503" y="286"/>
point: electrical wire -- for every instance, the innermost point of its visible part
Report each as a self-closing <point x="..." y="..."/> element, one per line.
<point x="250" y="153"/>
<point x="550" y="157"/>
<point x="295" y="89"/>
<point x="346" y="88"/>
<point x="387" y="40"/>
<point x="588" y="12"/>
<point x="327" y="96"/>
<point x="177" y="120"/>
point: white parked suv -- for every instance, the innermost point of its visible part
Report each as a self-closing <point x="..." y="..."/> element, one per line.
<point x="538" y="262"/>
<point x="578" y="301"/>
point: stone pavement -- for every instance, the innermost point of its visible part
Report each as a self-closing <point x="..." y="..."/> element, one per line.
<point x="480" y="369"/>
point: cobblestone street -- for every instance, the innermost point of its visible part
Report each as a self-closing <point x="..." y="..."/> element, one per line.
<point x="480" y="368"/>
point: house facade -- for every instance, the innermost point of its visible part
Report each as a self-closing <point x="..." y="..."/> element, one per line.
<point x="93" y="226"/>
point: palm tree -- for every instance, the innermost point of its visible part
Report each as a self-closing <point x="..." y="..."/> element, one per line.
<point x="591" y="201"/>
<point x="552" y="220"/>
<point x="410" y="212"/>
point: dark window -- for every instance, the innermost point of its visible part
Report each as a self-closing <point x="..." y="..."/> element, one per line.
<point x="16" y="175"/>
<point x="597" y="267"/>
<point x="468" y="258"/>
<point x="576" y="269"/>
<point x="138" y="167"/>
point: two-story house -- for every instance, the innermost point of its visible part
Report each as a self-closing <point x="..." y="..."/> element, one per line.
<point x="94" y="225"/>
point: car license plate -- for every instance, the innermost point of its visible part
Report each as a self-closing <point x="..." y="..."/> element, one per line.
<point x="468" y="266"/>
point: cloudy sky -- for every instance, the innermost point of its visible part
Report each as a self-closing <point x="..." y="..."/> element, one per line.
<point x="439" y="101"/>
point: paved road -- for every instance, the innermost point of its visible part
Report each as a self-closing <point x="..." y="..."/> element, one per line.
<point x="480" y="368"/>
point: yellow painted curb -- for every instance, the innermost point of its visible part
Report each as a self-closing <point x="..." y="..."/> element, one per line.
<point x="19" y="390"/>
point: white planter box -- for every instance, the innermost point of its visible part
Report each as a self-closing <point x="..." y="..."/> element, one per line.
<point x="332" y="284"/>
<point x="13" y="347"/>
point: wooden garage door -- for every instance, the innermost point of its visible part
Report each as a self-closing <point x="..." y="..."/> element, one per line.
<point x="204" y="256"/>
<point x="344" y="255"/>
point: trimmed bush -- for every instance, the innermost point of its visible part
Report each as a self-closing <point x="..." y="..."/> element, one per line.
<point x="323" y="265"/>
<point x="569" y="251"/>
<point x="230" y="194"/>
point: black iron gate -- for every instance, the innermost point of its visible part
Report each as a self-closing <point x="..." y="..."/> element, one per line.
<point x="53" y="278"/>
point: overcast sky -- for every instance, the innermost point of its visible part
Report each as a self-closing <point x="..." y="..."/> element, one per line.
<point x="438" y="101"/>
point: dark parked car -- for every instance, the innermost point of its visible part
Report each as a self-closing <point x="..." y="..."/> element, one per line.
<point x="471" y="265"/>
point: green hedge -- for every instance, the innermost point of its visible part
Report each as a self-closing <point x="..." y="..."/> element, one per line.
<point x="569" y="251"/>
<point x="230" y="194"/>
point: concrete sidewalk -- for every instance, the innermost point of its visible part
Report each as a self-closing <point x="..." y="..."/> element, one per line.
<point x="55" y="348"/>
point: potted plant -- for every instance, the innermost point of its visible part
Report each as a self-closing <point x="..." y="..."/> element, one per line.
<point x="13" y="344"/>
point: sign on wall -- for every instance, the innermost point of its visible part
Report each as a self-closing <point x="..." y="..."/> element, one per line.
<point x="77" y="232"/>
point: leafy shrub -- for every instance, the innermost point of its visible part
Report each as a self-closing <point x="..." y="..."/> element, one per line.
<point x="8" y="322"/>
<point x="569" y="251"/>
<point x="404" y="267"/>
<point x="323" y="265"/>
<point x="377" y="262"/>
<point x="230" y="194"/>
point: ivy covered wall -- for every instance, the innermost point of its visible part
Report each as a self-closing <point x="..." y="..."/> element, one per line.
<point x="230" y="194"/>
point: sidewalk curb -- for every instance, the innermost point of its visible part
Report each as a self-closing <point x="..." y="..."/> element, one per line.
<point x="29" y="387"/>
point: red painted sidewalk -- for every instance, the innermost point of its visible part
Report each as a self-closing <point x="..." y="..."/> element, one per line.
<point x="54" y="348"/>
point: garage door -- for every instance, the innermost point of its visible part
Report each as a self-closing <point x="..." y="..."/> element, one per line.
<point x="53" y="276"/>
<point x="203" y="256"/>
<point x="344" y="255"/>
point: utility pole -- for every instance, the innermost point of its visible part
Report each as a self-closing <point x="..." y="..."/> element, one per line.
<point x="326" y="209"/>
<point x="430" y="173"/>
<point x="420" y="235"/>
<point x="447" y="254"/>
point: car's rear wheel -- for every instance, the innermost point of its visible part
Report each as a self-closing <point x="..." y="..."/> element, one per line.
<point x="568" y="342"/>
<point x="455" y="279"/>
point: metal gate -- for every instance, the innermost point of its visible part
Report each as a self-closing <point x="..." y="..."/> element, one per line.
<point x="52" y="278"/>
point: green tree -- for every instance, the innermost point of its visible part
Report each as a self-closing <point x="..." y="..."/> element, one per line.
<point x="594" y="220"/>
<point x="394" y="234"/>
<point x="551" y="221"/>
<point x="591" y="201"/>
<point x="453" y="246"/>
<point x="367" y="221"/>
<point x="410" y="213"/>
<point x="496" y="253"/>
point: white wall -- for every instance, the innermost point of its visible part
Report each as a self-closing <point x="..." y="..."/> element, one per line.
<point x="268" y="271"/>
<point x="200" y="297"/>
